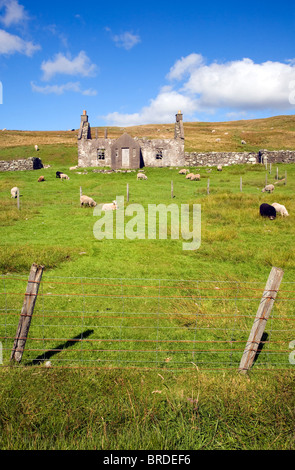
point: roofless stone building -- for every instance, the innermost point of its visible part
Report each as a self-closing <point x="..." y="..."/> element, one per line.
<point x="127" y="152"/>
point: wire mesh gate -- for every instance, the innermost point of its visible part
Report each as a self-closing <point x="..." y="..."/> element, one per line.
<point x="149" y="323"/>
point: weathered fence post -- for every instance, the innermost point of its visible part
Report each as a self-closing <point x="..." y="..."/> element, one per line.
<point x="263" y="312"/>
<point x="27" y="312"/>
<point x="277" y="177"/>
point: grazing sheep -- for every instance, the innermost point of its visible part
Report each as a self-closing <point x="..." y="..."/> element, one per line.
<point x="268" y="188"/>
<point x="141" y="176"/>
<point x="219" y="168"/>
<point x="196" y="177"/>
<point x="58" y="173"/>
<point x="63" y="176"/>
<point x="188" y="177"/>
<point x="110" y="207"/>
<point x="14" y="192"/>
<point x="266" y="210"/>
<point x="183" y="171"/>
<point x="87" y="201"/>
<point x="41" y="178"/>
<point x="280" y="209"/>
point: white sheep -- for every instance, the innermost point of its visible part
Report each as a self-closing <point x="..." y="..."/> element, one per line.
<point x="110" y="206"/>
<point x="36" y="148"/>
<point x="196" y="177"/>
<point x="219" y="167"/>
<point x="189" y="175"/>
<point x="268" y="188"/>
<point x="183" y="171"/>
<point x="87" y="201"/>
<point x="63" y="176"/>
<point x="280" y="209"/>
<point x="141" y="176"/>
<point x="14" y="192"/>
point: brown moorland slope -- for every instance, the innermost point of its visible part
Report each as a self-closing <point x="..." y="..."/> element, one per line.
<point x="274" y="133"/>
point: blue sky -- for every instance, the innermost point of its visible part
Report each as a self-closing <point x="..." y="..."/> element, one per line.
<point x="131" y="63"/>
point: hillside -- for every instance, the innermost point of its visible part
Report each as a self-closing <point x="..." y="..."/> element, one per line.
<point x="273" y="133"/>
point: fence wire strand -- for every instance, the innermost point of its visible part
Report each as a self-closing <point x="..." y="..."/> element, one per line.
<point x="170" y="324"/>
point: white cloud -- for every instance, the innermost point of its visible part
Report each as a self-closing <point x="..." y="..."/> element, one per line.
<point x="10" y="44"/>
<point x="14" y="12"/>
<point x="61" y="89"/>
<point x="162" y="109"/>
<point x="126" y="40"/>
<point x="80" y="65"/>
<point x="233" y="87"/>
<point x="184" y="66"/>
<point x="238" y="84"/>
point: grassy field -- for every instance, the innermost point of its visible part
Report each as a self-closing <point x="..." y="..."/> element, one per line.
<point x="164" y="398"/>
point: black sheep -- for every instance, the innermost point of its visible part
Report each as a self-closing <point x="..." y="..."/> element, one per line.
<point x="266" y="210"/>
<point x="58" y="173"/>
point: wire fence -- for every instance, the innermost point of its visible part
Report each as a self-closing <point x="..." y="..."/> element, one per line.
<point x="146" y="323"/>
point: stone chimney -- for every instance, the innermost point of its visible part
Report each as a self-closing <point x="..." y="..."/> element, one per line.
<point x="85" y="130"/>
<point x="179" y="131"/>
<point x="84" y="117"/>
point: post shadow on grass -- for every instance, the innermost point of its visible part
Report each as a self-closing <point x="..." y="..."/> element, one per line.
<point x="59" y="348"/>
<point x="260" y="346"/>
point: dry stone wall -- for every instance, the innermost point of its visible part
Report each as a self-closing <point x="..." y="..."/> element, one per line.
<point x="234" y="158"/>
<point x="32" y="163"/>
<point x="276" y="156"/>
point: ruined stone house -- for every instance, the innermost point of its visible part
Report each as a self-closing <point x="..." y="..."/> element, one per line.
<point x="127" y="152"/>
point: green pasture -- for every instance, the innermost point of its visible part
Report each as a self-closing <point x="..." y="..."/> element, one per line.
<point x="153" y="318"/>
<point x="115" y="290"/>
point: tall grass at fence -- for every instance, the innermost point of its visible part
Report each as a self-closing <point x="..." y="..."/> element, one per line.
<point x="145" y="323"/>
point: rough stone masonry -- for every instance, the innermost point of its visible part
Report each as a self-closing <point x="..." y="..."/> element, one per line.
<point x="127" y="152"/>
<point x="24" y="164"/>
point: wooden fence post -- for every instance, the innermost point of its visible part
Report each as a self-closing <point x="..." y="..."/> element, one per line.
<point x="27" y="312"/>
<point x="263" y="312"/>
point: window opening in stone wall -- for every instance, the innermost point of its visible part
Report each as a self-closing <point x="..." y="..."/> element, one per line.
<point x="101" y="154"/>
<point x="159" y="154"/>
